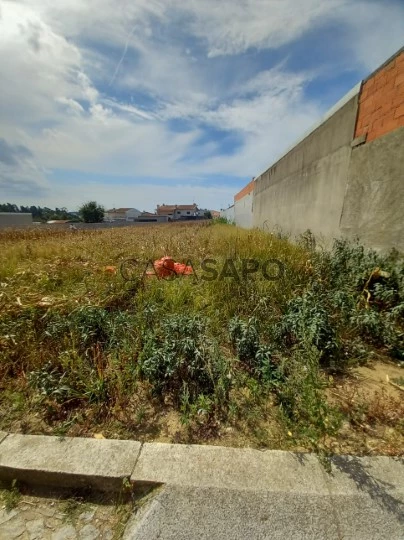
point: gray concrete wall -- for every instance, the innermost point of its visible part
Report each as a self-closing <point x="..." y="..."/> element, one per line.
<point x="374" y="204"/>
<point x="305" y="189"/>
<point x="228" y="214"/>
<point x="11" y="219"/>
<point x="243" y="211"/>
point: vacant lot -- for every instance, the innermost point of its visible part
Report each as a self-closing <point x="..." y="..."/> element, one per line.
<point x="295" y="347"/>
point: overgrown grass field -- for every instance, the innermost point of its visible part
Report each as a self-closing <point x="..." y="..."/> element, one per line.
<point x="247" y="361"/>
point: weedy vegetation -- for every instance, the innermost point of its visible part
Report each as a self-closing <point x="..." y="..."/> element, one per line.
<point x="10" y="496"/>
<point x="247" y="361"/>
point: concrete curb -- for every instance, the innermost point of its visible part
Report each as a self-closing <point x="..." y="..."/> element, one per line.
<point x="67" y="462"/>
<point x="243" y="469"/>
<point x="246" y="469"/>
<point x="105" y="464"/>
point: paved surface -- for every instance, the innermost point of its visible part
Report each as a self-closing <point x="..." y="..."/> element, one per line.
<point x="186" y="513"/>
<point x="38" y="518"/>
<point x="213" y="493"/>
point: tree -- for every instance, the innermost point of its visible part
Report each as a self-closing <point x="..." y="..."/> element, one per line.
<point x="38" y="213"/>
<point x="208" y="214"/>
<point x="91" y="212"/>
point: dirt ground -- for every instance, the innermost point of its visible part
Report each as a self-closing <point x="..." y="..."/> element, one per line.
<point x="379" y="376"/>
<point x="372" y="400"/>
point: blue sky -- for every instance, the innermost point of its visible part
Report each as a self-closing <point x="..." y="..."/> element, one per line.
<point x="164" y="101"/>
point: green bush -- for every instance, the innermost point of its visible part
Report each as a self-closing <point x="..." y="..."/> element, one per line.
<point x="178" y="353"/>
<point x="301" y="398"/>
<point x="91" y="325"/>
<point x="244" y="336"/>
<point x="308" y="320"/>
<point x="252" y="353"/>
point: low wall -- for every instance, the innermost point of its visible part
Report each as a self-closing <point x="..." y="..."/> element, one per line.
<point x="15" y="219"/>
<point x="346" y="176"/>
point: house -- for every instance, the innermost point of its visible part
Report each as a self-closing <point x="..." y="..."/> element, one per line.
<point x="178" y="211"/>
<point x="121" y="214"/>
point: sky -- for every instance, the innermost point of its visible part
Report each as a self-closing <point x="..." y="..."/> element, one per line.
<point x="143" y="102"/>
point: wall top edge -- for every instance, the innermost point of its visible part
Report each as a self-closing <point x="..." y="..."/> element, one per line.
<point x="343" y="101"/>
<point x="386" y="63"/>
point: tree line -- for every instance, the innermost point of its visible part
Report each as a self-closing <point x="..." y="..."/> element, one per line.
<point x="90" y="212"/>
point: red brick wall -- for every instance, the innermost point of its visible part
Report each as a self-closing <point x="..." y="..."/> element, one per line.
<point x="245" y="191"/>
<point x="381" y="101"/>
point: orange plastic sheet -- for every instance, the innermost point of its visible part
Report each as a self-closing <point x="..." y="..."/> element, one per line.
<point x="166" y="267"/>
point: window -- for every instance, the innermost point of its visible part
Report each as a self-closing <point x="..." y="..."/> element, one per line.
<point x="179" y="212"/>
<point x="188" y="213"/>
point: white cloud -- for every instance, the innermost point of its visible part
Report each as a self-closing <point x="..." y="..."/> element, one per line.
<point x="275" y="93"/>
<point x="135" y="111"/>
<point x="233" y="27"/>
<point x="379" y="29"/>
<point x="50" y="104"/>
<point x="19" y="174"/>
<point x="228" y="26"/>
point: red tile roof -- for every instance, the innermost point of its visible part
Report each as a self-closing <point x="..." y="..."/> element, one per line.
<point x="165" y="209"/>
<point x="119" y="210"/>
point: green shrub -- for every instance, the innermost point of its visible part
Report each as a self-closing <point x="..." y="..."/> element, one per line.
<point x="179" y="352"/>
<point x="308" y="320"/>
<point x="90" y="325"/>
<point x="244" y="336"/>
<point x="301" y="398"/>
<point x="257" y="356"/>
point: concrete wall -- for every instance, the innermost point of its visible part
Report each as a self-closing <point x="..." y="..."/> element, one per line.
<point x="228" y="214"/>
<point x="346" y="176"/>
<point x="11" y="219"/>
<point x="243" y="206"/>
<point x="243" y="211"/>
<point x="374" y="203"/>
<point x="151" y="219"/>
<point x="305" y="189"/>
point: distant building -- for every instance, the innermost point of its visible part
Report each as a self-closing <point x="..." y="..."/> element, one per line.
<point x="207" y="211"/>
<point x="15" y="219"/>
<point x="122" y="214"/>
<point x="178" y="211"/>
